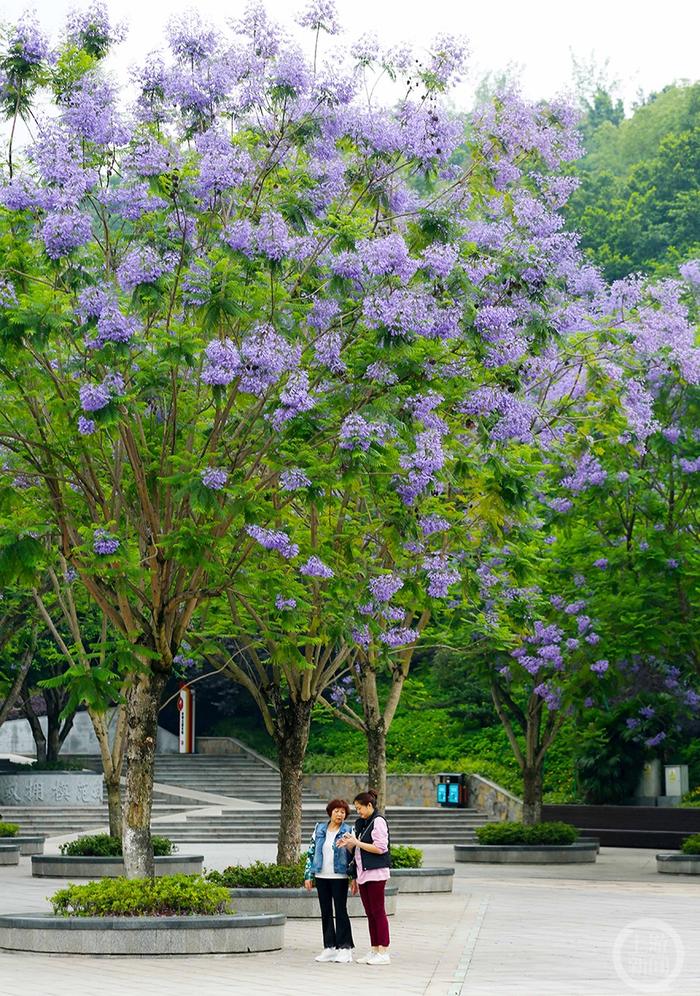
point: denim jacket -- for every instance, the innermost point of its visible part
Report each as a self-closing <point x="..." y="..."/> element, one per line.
<point x="314" y="854"/>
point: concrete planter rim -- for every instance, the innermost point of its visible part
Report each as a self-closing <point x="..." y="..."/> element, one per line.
<point x="95" y="859"/>
<point x="420" y="872"/>
<point x="529" y="848"/>
<point x="49" y="921"/>
<point x="24" y="838"/>
<point x="286" y="893"/>
<point x="678" y="856"/>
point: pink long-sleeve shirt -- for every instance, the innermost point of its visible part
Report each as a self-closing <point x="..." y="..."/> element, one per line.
<point x="380" y="839"/>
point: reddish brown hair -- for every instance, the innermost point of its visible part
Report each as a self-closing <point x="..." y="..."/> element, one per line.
<point x="337" y="804"/>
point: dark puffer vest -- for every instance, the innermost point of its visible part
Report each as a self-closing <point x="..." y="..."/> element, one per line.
<point x="363" y="832"/>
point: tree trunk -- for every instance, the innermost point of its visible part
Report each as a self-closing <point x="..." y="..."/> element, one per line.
<point x="142" y="703"/>
<point x="376" y="761"/>
<point x="532" y="795"/>
<point x="292" y="737"/>
<point x="35" y="725"/>
<point x="114" y="804"/>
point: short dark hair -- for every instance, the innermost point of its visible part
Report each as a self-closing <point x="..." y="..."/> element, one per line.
<point x="337" y="804"/>
<point x="368" y="798"/>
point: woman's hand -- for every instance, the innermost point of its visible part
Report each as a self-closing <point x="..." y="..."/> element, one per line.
<point x="348" y="840"/>
<point x="354" y="887"/>
<point x="308" y="884"/>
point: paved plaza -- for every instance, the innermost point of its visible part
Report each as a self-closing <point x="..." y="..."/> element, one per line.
<point x="611" y="928"/>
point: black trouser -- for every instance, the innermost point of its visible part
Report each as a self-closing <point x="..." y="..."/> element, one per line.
<point x="334" y="892"/>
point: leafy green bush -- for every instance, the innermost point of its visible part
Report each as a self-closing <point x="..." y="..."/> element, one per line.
<point x="691" y="798"/>
<point x="8" y="829"/>
<point x="403" y="856"/>
<point x="171" y="895"/>
<point x="691" y="845"/>
<point x="101" y="845"/>
<point x="59" y="765"/>
<point x="517" y="833"/>
<point x="260" y="876"/>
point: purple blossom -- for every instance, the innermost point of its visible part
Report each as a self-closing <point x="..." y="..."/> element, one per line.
<point x="190" y="38"/>
<point x="656" y="740"/>
<point x="632" y="722"/>
<point x="387" y="256"/>
<point x="440" y="575"/>
<point x="315" y="568"/>
<point x="356" y="433"/>
<point x="648" y="712"/>
<point x="294" y="479"/>
<point x="8" y="295"/>
<point x="285" y="603"/>
<point x="272" y="236"/>
<point x="214" y="478"/>
<point x="361" y="636"/>
<point x="601" y="563"/>
<point x="103" y="543"/>
<point x="672" y="563"/>
<point x="592" y="638"/>
<point x="144" y="266"/>
<point x="399" y="636"/>
<point x="93" y="397"/>
<point x="295" y="399"/>
<point x="86" y="426"/>
<point x="689" y="466"/>
<point x="431" y="524"/>
<point x="92" y="29"/>
<point x="588" y="472"/>
<point x="440" y="259"/>
<point x="64" y="231"/>
<point x="112" y="326"/>
<point x="384" y="588"/>
<point x="320" y="15"/>
<point x="600" y="667"/>
<point x="550" y="695"/>
<point x="28" y="42"/>
<point x="690" y="271"/>
<point x="272" y="539"/>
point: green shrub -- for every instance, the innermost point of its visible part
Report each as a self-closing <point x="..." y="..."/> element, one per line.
<point x="691" y="798"/>
<point x="260" y="876"/>
<point x="171" y="895"/>
<point x="101" y="845"/>
<point x="517" y="833"/>
<point x="691" y="845"/>
<point x="60" y="765"/>
<point x="406" y="857"/>
<point x="8" y="829"/>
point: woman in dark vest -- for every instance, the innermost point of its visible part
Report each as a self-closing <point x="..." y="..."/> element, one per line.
<point x="371" y="844"/>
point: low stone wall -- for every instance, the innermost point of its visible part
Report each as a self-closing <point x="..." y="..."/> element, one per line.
<point x="69" y="866"/>
<point x="678" y="864"/>
<point x="27" y="844"/>
<point x="51" y="788"/>
<point x="9" y="854"/>
<point x="490" y="798"/>
<point x="423" y="879"/>
<point x="298" y="904"/>
<point x="142" y="935"/>
<point x="402" y="790"/>
<point x="527" y="854"/>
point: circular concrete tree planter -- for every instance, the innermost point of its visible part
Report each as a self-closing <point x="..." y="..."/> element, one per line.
<point x="297" y="904"/>
<point x="27" y="844"/>
<point x="677" y="863"/>
<point x="528" y="854"/>
<point x="9" y="854"/>
<point x="141" y="935"/>
<point x="69" y="866"/>
<point x="423" y="879"/>
<point x="51" y="788"/>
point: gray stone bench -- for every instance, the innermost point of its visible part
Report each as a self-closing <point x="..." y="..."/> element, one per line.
<point x="298" y="904"/>
<point x="423" y="879"/>
<point x="69" y="866"/>
<point x="9" y="854"/>
<point x="28" y="844"/>
<point x="141" y="935"/>
<point x="678" y="864"/>
<point x="528" y="854"/>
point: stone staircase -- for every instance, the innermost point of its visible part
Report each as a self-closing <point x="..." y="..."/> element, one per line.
<point x="54" y="821"/>
<point x="408" y="826"/>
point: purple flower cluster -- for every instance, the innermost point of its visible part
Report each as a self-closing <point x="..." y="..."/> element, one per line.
<point x="214" y="478"/>
<point x="86" y="426"/>
<point x="272" y="539"/>
<point x="587" y="473"/>
<point x="295" y="398"/>
<point x="440" y="575"/>
<point x="92" y="29"/>
<point x="264" y="356"/>
<point x="64" y="231"/>
<point x="385" y="587"/>
<point x="600" y="667"/>
<point x="399" y="636"/>
<point x="143" y="266"/>
<point x="315" y="568"/>
<point x="422" y="465"/>
<point x="294" y="479"/>
<point x="283" y="603"/>
<point x="94" y="397"/>
<point x="356" y="433"/>
<point x="431" y="524"/>
<point x="28" y="42"/>
<point x="320" y="15"/>
<point x="103" y="543"/>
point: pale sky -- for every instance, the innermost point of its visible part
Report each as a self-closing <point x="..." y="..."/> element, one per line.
<point x="648" y="44"/>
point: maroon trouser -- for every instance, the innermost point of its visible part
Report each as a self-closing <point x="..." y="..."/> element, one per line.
<point x="372" y="896"/>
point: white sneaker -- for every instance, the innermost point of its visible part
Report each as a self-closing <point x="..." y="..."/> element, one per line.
<point x="328" y="954"/>
<point x="344" y="955"/>
<point x="365" y="959"/>
<point x="379" y="958"/>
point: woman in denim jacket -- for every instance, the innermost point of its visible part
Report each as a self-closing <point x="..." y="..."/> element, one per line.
<point x="327" y="864"/>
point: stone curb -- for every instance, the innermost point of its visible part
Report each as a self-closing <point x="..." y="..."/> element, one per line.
<point x="677" y="863"/>
<point x="415" y="880"/>
<point x="27" y="844"/>
<point x="298" y="904"/>
<point x="9" y="854"/>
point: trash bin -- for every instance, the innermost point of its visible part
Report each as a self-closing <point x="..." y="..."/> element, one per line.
<point x="452" y="790"/>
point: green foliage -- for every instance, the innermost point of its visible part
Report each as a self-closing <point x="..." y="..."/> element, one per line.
<point x="691" y="798"/>
<point x="171" y="895"/>
<point x="691" y="845"/>
<point x="518" y="833"/>
<point x="609" y="762"/>
<point x="8" y="829"/>
<point x="101" y="845"/>
<point x="60" y="765"/>
<point x="260" y="876"/>
<point x="403" y="856"/>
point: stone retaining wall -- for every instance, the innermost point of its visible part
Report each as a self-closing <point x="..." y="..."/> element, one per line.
<point x="298" y="904"/>
<point x="51" y="788"/>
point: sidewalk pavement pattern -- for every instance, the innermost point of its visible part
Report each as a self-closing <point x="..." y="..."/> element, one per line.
<point x="608" y="929"/>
